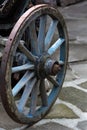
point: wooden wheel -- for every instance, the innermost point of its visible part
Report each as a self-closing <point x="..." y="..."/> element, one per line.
<point x="39" y="63"/>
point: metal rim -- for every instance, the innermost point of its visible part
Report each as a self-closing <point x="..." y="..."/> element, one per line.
<point x="40" y="66"/>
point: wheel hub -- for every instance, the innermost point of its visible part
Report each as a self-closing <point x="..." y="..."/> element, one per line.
<point x="46" y="66"/>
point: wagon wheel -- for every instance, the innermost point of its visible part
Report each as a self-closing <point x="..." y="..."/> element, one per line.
<point x="43" y="63"/>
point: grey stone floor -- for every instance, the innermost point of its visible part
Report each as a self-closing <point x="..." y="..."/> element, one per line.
<point x="70" y="109"/>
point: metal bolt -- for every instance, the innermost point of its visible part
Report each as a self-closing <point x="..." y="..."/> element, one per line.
<point x="55" y="69"/>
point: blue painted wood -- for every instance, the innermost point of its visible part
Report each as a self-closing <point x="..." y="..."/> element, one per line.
<point x="61" y="62"/>
<point x="50" y="33"/>
<point x="33" y="39"/>
<point x="53" y="81"/>
<point x="27" y="76"/>
<point x="22" y="68"/>
<point x="27" y="53"/>
<point x="34" y="96"/>
<point x="55" y="46"/>
<point x="25" y="96"/>
<point x="63" y="52"/>
<point x="43" y="93"/>
<point x="42" y="31"/>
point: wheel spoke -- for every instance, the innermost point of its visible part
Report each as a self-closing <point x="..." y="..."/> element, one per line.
<point x="33" y="103"/>
<point x="22" y="68"/>
<point x="27" y="76"/>
<point x="61" y="62"/>
<point x="41" y="35"/>
<point x="54" y="82"/>
<point x="25" y="96"/>
<point x="55" y="46"/>
<point x="43" y="92"/>
<point x="27" y="53"/>
<point x="50" y="33"/>
<point x="33" y="38"/>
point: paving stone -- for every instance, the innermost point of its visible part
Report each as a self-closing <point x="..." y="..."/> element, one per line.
<point x="78" y="11"/>
<point x="50" y="126"/>
<point x="68" y="2"/>
<point x="76" y="20"/>
<point x="83" y="85"/>
<point x="70" y="75"/>
<point x="80" y="69"/>
<point x="75" y="96"/>
<point x="61" y="111"/>
<point x="5" y="121"/>
<point x="74" y="31"/>
<point x="76" y="53"/>
<point x="82" y="125"/>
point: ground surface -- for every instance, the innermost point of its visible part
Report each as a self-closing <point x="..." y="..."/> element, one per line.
<point x="70" y="109"/>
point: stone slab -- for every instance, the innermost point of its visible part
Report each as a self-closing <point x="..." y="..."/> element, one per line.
<point x="69" y="75"/>
<point x="83" y="85"/>
<point x="61" y="111"/>
<point x="74" y="96"/>
<point x="82" y="125"/>
<point x="78" y="11"/>
<point x="76" y="20"/>
<point x="5" y="121"/>
<point x="76" y="52"/>
<point x="68" y="2"/>
<point x="79" y="69"/>
<point x="49" y="126"/>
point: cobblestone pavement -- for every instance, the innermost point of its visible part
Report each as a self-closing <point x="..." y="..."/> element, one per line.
<point x="70" y="109"/>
